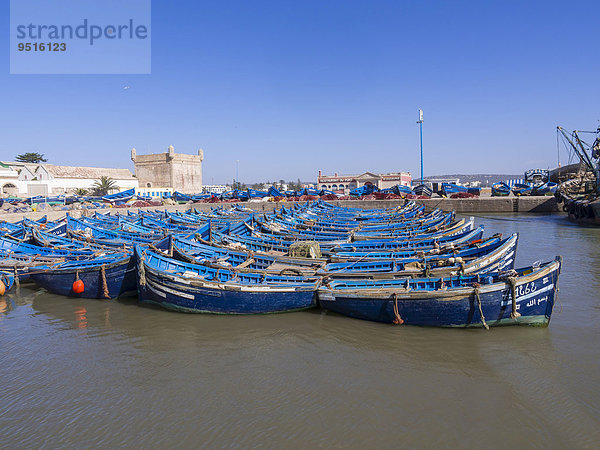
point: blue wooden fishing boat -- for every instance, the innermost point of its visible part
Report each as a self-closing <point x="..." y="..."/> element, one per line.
<point x="451" y="247"/>
<point x="449" y="189"/>
<point x="10" y="246"/>
<point x="187" y="287"/>
<point x="496" y="255"/>
<point x="363" y="190"/>
<point x="521" y="189"/>
<point x="274" y="192"/>
<point x="449" y="239"/>
<point x="423" y="190"/>
<point x="80" y="229"/>
<point x="402" y="190"/>
<point x="122" y="196"/>
<point x="253" y="193"/>
<point x="547" y="188"/>
<point x="500" y="189"/>
<point x="105" y="277"/>
<point x="185" y="249"/>
<point x="522" y="297"/>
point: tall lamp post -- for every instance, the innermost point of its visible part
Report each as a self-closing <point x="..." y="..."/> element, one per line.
<point x="237" y="176"/>
<point x="420" y="122"/>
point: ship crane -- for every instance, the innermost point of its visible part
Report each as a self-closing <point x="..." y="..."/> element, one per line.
<point x="588" y="154"/>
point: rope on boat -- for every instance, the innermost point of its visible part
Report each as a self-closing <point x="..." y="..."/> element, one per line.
<point x="77" y="275"/>
<point x="103" y="281"/>
<point x="556" y="296"/>
<point x="476" y="292"/>
<point x="142" y="272"/>
<point x="397" y="319"/>
<point x="513" y="290"/>
<point x="291" y="270"/>
<point x="427" y="270"/>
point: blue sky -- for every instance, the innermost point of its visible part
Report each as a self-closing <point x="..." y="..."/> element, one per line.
<point x="291" y="87"/>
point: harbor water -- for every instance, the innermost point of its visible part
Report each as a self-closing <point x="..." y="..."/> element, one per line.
<point x="94" y="373"/>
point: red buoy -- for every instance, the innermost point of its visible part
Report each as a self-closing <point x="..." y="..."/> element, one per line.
<point x="78" y="286"/>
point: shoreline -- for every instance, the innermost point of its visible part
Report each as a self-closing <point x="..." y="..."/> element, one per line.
<point x="511" y="204"/>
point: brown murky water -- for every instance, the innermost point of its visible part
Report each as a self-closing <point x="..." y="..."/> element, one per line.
<point x="95" y="373"/>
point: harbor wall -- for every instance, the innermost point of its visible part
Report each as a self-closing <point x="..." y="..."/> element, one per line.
<point x="460" y="205"/>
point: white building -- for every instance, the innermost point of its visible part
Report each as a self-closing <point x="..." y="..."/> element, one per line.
<point x="154" y="193"/>
<point x="345" y="183"/>
<point x="24" y="179"/>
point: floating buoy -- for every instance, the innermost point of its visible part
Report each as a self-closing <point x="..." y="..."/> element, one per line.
<point x="2" y="288"/>
<point x="78" y="286"/>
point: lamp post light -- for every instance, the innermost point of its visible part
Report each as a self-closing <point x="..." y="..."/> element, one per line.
<point x="420" y="122"/>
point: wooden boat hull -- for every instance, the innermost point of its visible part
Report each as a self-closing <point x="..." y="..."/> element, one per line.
<point x="452" y="307"/>
<point x="500" y="190"/>
<point x="180" y="296"/>
<point x="120" y="280"/>
<point x="181" y="287"/>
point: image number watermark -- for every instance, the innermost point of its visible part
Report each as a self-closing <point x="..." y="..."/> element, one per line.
<point x="80" y="36"/>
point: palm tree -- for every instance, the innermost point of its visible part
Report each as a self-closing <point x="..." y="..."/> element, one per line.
<point x="31" y="157"/>
<point x="104" y="185"/>
<point x="81" y="191"/>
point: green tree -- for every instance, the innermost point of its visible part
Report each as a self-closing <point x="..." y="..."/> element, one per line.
<point x="81" y="191"/>
<point x="31" y="157"/>
<point x="104" y="185"/>
<point x="258" y="186"/>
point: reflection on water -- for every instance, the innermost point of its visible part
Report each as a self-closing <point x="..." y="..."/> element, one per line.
<point x="110" y="373"/>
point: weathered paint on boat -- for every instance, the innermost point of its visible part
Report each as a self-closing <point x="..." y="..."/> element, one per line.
<point x="450" y="306"/>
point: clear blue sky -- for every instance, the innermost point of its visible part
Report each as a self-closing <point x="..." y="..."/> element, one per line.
<point x="291" y="87"/>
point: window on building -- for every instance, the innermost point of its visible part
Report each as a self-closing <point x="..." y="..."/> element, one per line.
<point x="148" y="184"/>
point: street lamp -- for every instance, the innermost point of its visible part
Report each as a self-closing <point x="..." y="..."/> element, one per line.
<point x="420" y="122"/>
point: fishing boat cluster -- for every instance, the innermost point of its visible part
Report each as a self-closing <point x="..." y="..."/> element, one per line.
<point x="129" y="197"/>
<point x="401" y="265"/>
<point x="535" y="183"/>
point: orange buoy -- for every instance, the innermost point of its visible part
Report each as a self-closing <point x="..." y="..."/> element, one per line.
<point x="78" y="286"/>
<point x="2" y="288"/>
